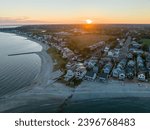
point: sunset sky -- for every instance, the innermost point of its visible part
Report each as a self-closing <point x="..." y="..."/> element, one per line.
<point x="74" y="11"/>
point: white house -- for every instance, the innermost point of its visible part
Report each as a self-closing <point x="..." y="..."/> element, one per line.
<point x="67" y="53"/>
<point x="116" y="72"/>
<point x="90" y="63"/>
<point x="80" y="72"/>
<point x="141" y="77"/>
<point x="69" y="75"/>
<point x="110" y="54"/>
<point x="106" y="49"/>
<point x="122" y="75"/>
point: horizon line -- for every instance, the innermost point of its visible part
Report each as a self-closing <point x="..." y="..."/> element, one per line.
<point x="74" y="24"/>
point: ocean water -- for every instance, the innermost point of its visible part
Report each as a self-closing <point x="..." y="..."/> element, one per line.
<point x="103" y="105"/>
<point x="110" y="105"/>
<point x="17" y="72"/>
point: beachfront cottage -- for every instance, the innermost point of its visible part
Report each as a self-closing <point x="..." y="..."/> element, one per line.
<point x="141" y="76"/>
<point x="130" y="73"/>
<point x="116" y="72"/>
<point x="119" y="72"/>
<point x="122" y="75"/>
<point x="103" y="77"/>
<point x="69" y="75"/>
<point x="80" y="72"/>
<point x="107" y="68"/>
<point x="67" y="53"/>
<point x="130" y="70"/>
<point x="90" y="75"/>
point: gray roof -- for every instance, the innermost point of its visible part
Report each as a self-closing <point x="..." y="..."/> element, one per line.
<point x="90" y="73"/>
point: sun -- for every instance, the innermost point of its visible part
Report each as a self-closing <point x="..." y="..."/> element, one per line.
<point x="89" y="21"/>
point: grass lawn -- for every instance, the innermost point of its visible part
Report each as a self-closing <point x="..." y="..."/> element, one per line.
<point x="80" y="42"/>
<point x="146" y="42"/>
<point x="60" y="62"/>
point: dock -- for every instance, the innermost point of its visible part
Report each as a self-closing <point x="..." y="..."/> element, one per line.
<point x="22" y="53"/>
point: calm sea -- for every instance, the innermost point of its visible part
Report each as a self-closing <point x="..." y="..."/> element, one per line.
<point x="18" y="71"/>
<point x="104" y="105"/>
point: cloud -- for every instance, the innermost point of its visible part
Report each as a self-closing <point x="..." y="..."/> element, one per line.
<point x="18" y="20"/>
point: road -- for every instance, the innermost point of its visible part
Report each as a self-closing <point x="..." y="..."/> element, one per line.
<point x="124" y="50"/>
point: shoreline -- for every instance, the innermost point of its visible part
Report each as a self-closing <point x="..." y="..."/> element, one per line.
<point x="44" y="91"/>
<point x="46" y="63"/>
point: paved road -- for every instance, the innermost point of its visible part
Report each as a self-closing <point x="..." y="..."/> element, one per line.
<point x="124" y="50"/>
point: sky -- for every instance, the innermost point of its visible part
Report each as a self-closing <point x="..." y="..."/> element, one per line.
<point x="74" y="11"/>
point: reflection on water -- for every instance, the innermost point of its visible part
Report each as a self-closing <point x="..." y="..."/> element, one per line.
<point x="17" y="71"/>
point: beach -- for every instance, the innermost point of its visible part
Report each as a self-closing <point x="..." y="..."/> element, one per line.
<point x="45" y="92"/>
<point x="112" y="89"/>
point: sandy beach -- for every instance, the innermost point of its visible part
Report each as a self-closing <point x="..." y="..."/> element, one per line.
<point x="44" y="92"/>
<point x="112" y="89"/>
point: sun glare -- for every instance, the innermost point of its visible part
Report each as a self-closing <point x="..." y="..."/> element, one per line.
<point x="89" y="21"/>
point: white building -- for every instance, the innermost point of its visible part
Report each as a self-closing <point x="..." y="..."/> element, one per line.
<point x="67" y="53"/>
<point x="141" y="77"/>
<point x="80" y="72"/>
<point x="106" y="49"/>
<point x="122" y="75"/>
<point x="69" y="75"/>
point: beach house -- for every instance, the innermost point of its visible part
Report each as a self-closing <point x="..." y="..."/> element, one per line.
<point x="90" y="75"/>
<point x="107" y="68"/>
<point x="141" y="76"/>
<point x="69" y="75"/>
<point x="80" y="72"/>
